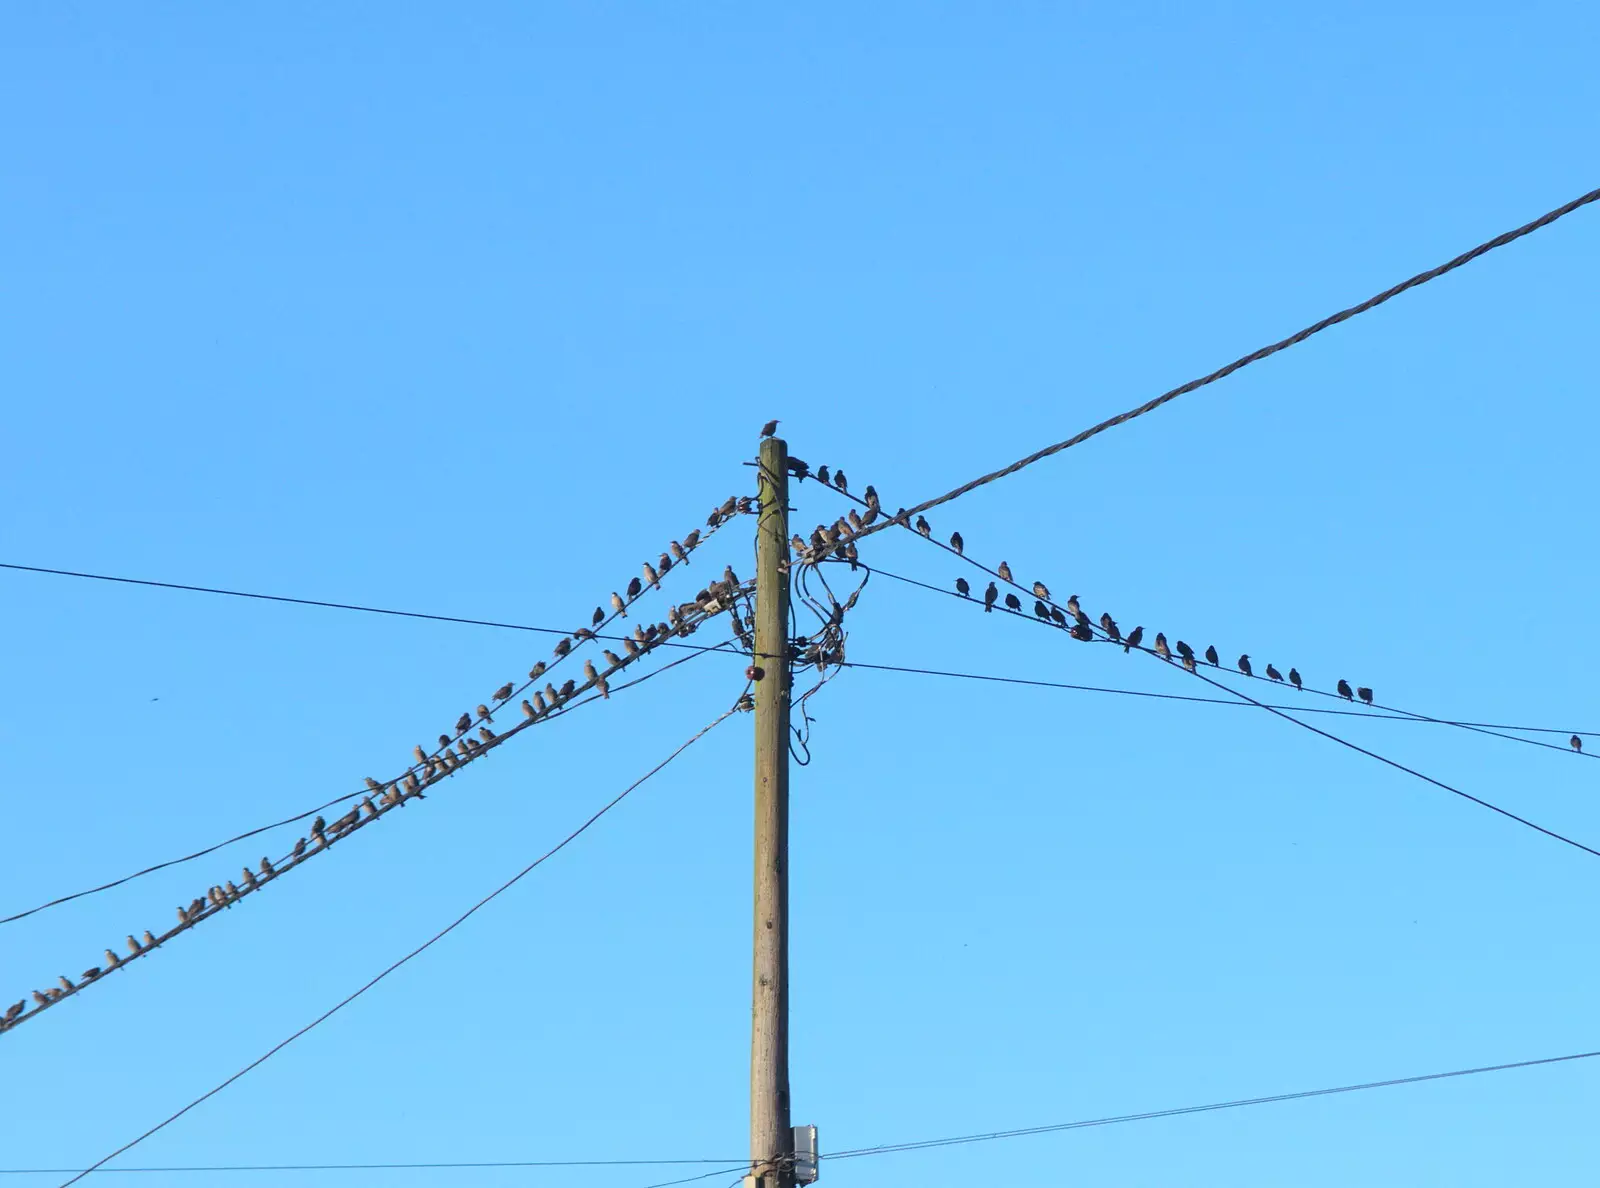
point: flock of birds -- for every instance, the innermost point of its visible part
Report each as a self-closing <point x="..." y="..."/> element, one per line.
<point x="461" y="746"/>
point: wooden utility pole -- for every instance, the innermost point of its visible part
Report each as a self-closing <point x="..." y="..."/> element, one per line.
<point x="771" y="1140"/>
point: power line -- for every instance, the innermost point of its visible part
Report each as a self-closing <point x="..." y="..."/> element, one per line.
<point x="435" y="938"/>
<point x="1255" y="356"/>
<point x="1239" y="1103"/>
<point x="1378" y="711"/>
<point x="723" y="1166"/>
<point x="338" y="800"/>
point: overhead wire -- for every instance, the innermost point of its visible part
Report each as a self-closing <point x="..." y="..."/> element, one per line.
<point x="1255" y="356"/>
<point x="427" y="944"/>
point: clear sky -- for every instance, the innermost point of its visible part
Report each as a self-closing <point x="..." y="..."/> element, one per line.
<point x="471" y="308"/>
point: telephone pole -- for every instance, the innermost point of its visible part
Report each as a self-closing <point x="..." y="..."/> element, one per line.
<point x="771" y="1140"/>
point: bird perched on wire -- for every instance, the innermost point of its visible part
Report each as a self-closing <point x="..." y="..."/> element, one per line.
<point x="1345" y="690"/>
<point x="568" y="688"/>
<point x="923" y="527"/>
<point x="503" y="692"/>
<point x="1109" y="626"/>
<point x="528" y="711"/>
<point x="1212" y="658"/>
<point x="823" y="475"/>
<point x="1041" y="610"/>
<point x="691" y="540"/>
<point x="678" y="552"/>
<point x="589" y="672"/>
<point x="612" y="659"/>
<point x="1082" y="631"/>
<point x="1186" y="652"/>
<point x="15" y="1009"/>
<point x="871" y="496"/>
<point x="989" y="596"/>
<point x="1576" y="743"/>
<point x="463" y="723"/>
<point x="635" y="587"/>
<point x="1134" y="637"/>
<point x="1294" y="678"/>
<point x="1273" y="674"/>
<point x="769" y="428"/>
<point x="486" y="734"/>
<point x="483" y="712"/>
<point x="962" y="588"/>
<point x="1244" y="665"/>
<point x="957" y="543"/>
<point x="1364" y="693"/>
<point x="66" y="984"/>
<point x="1040" y="590"/>
<point x="1072" y="606"/>
<point x="839" y="481"/>
<point x="1056" y="617"/>
<point x="618" y="605"/>
<point x="1004" y="571"/>
<point x="1013" y="602"/>
<point x="134" y="946"/>
<point x="1161" y="648"/>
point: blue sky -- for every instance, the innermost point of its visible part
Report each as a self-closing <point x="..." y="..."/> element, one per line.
<point x="472" y="311"/>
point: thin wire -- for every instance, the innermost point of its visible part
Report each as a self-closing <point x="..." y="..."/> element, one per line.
<point x="372" y="610"/>
<point x="1561" y="837"/>
<point x="1239" y="1103"/>
<point x="723" y="1165"/>
<point x="1378" y="710"/>
<point x="1343" y="315"/>
<point x="438" y="936"/>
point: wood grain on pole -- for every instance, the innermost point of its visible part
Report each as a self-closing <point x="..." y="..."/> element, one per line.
<point x="770" y="1136"/>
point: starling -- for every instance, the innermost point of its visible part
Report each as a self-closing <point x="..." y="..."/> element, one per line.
<point x="1106" y="620"/>
<point x="318" y="825"/>
<point x="1294" y="677"/>
<point x="568" y="688"/>
<point x="1005" y="572"/>
<point x="925" y="528"/>
<point x="1041" y="610"/>
<point x="250" y="879"/>
<point x="1364" y="693"/>
<point x="729" y="506"/>
<point x="1211" y="657"/>
<point x="838" y="481"/>
<point x="422" y="756"/>
<point x="462" y="724"/>
<point x="1013" y="602"/>
<point x="1188" y="662"/>
<point x="299" y="847"/>
<point x="663" y="563"/>
<point x="583" y="635"/>
<point x="372" y="783"/>
<point x="483" y="712"/>
<point x="693" y="539"/>
<point x="66" y="984"/>
<point x="444" y="739"/>
<point x="855" y="520"/>
<point x="589" y="672"/>
<point x="183" y="914"/>
<point x="1072" y="606"/>
<point x="149" y="941"/>
<point x="466" y="747"/>
<point x="486" y="734"/>
<point x="614" y="660"/>
<point x="1040" y="590"/>
<point x="798" y="544"/>
<point x="962" y="588"/>
<point x="1083" y="621"/>
<point x="823" y="476"/>
<point x="233" y="891"/>
<point x="769" y="428"/>
<point x="872" y="517"/>
<point x="41" y="999"/>
<point x="503" y="693"/>
<point x="989" y="596"/>
<point x="1244" y="665"/>
<point x="1344" y="690"/>
<point x="617" y="603"/>
<point x="729" y="576"/>
<point x="678" y="553"/>
<point x="1185" y="651"/>
<point x="1161" y="648"/>
<point x="551" y="694"/>
<point x="266" y="866"/>
<point x="1133" y="639"/>
<point x="631" y="648"/>
<point x="605" y="689"/>
<point x="528" y="711"/>
<point x="957" y="543"/>
<point x="112" y="960"/>
<point x="133" y="945"/>
<point x="871" y="496"/>
<point x="1083" y="632"/>
<point x="635" y="587"/>
<point x="15" y="1009"/>
<point x="564" y="645"/>
<point x="1576" y="743"/>
<point x="798" y="467"/>
<point x="1110" y="626"/>
<point x="1056" y="617"/>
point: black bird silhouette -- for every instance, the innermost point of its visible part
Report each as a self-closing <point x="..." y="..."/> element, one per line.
<point x="1294" y="677"/>
<point x="989" y="596"/>
<point x="1082" y="631"/>
<point x="1042" y="611"/>
<point x="634" y="587"/>
<point x="1133" y="639"/>
<point x="462" y="723"/>
<point x="1244" y="665"/>
<point x="924" y="527"/>
<point x="769" y="428"/>
<point x="1059" y="619"/>
<point x="1004" y="571"/>
<point x="962" y="588"/>
<point x="1184" y="650"/>
<point x="1211" y="657"/>
<point x="1013" y="602"/>
<point x="1344" y="690"/>
<point x="597" y="618"/>
<point x="1072" y="606"/>
<point x="1576" y="743"/>
<point x="823" y="476"/>
<point x="1110" y="626"/>
<point x="838" y="481"/>
<point x="956" y="542"/>
<point x="1364" y="693"/>
<point x="503" y="692"/>
<point x="1273" y="674"/>
<point x="871" y="496"/>
<point x="1161" y="648"/>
